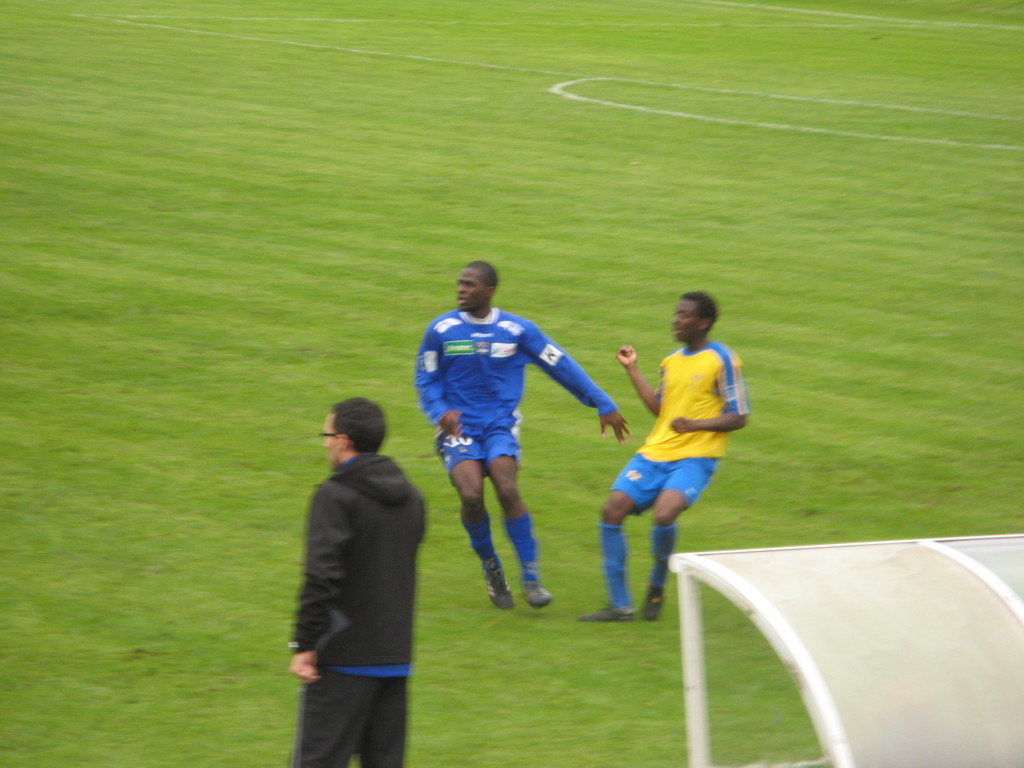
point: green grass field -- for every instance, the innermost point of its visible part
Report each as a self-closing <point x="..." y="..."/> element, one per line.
<point x="220" y="217"/>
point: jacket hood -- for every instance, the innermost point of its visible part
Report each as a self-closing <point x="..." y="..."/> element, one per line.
<point x="376" y="477"/>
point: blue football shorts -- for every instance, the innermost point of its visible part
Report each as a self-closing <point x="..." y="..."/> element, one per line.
<point x="642" y="479"/>
<point x="499" y="441"/>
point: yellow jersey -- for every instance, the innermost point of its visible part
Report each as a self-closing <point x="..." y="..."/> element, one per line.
<point x="696" y="385"/>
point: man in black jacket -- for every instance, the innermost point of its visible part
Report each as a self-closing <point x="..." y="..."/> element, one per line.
<point x="353" y="630"/>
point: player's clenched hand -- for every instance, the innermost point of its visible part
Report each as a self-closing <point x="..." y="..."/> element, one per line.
<point x="304" y="666"/>
<point x="618" y="425"/>
<point x="626" y="355"/>
<point x="450" y="424"/>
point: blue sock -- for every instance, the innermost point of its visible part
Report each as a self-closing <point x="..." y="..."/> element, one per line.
<point x="613" y="545"/>
<point x="481" y="542"/>
<point x="520" y="533"/>
<point x="663" y="541"/>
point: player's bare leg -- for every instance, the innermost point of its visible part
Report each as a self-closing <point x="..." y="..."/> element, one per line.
<point x="468" y="479"/>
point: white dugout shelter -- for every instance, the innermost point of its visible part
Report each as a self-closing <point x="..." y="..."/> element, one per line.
<point x="908" y="654"/>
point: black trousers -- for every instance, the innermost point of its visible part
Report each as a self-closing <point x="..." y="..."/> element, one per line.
<point x="345" y="715"/>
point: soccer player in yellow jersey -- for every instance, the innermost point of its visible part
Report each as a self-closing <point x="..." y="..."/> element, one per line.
<point x="700" y="399"/>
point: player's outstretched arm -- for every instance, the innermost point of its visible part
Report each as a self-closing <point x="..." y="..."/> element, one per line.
<point x="628" y="357"/>
<point x="619" y="426"/>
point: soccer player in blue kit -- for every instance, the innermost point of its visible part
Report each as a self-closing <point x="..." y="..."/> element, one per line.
<point x="701" y="397"/>
<point x="470" y="375"/>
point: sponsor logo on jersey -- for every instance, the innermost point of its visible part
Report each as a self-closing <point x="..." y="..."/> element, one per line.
<point x="458" y="348"/>
<point x="503" y="349"/>
<point x="428" y="361"/>
<point x="482" y="347"/>
<point x="551" y="355"/>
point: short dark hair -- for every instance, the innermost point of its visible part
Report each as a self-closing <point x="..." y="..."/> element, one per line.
<point x="488" y="274"/>
<point x="706" y="307"/>
<point x="363" y="421"/>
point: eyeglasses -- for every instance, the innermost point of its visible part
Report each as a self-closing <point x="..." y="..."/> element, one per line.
<point x="330" y="434"/>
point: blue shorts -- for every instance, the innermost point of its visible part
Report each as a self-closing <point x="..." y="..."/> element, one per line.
<point x="499" y="441"/>
<point x="642" y="479"/>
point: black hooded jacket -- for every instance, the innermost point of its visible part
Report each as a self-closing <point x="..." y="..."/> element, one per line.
<point x="356" y="605"/>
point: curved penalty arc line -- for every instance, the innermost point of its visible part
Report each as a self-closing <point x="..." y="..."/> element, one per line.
<point x="562" y="89"/>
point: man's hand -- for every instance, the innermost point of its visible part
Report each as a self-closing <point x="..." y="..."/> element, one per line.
<point x="304" y="666"/>
<point x="626" y="355"/>
<point x="450" y="424"/>
<point x="727" y="422"/>
<point x="686" y="425"/>
<point x="618" y="425"/>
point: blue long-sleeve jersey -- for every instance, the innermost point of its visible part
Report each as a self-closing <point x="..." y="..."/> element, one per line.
<point x="477" y="366"/>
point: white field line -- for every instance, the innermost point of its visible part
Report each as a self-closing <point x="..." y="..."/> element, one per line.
<point x="559" y="24"/>
<point x="852" y="25"/>
<point x="856" y="16"/>
<point x="814" y="100"/>
<point x="323" y="47"/>
<point x="856" y="20"/>
<point x="561" y="89"/>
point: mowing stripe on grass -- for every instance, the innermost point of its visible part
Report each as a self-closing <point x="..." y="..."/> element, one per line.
<point x="856" y="17"/>
<point x="855" y="23"/>
<point x="561" y="89"/>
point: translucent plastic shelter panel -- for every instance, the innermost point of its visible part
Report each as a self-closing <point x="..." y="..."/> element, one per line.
<point x="1003" y="555"/>
<point x="907" y="657"/>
